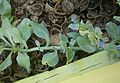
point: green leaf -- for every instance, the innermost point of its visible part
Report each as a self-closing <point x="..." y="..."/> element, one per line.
<point x="2" y="38"/>
<point x="92" y="38"/>
<point x="118" y="54"/>
<point x="1" y="34"/>
<point x="70" y="55"/>
<point x="16" y="36"/>
<point x="24" y="44"/>
<point x="90" y="26"/>
<point x="73" y="35"/>
<point x="1" y="49"/>
<point x="51" y="59"/>
<point x="82" y="26"/>
<point x="84" y="32"/>
<point x="112" y="30"/>
<point x="72" y="42"/>
<point x="40" y="31"/>
<point x="111" y="50"/>
<point x="63" y="44"/>
<point x="117" y="18"/>
<point x="119" y="29"/>
<point x="85" y="44"/>
<point x="25" y="29"/>
<point x="7" y="30"/>
<point x="23" y="60"/>
<point x="98" y="32"/>
<point x="6" y="63"/>
<point x="110" y="47"/>
<point x="5" y="8"/>
<point x="63" y="38"/>
<point x="63" y="41"/>
<point x="7" y="27"/>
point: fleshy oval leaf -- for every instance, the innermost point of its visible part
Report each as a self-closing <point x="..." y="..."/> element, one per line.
<point x="40" y="31"/>
<point x="50" y="59"/>
<point x="85" y="44"/>
<point x="23" y="60"/>
<point x="25" y="29"/>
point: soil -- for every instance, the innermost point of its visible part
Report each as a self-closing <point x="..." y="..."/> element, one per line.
<point x="55" y="15"/>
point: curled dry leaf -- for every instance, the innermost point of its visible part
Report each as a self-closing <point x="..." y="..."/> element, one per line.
<point x="54" y="36"/>
<point x="55" y="1"/>
<point x="20" y="12"/>
<point x="84" y="4"/>
<point x="34" y="18"/>
<point x="20" y="71"/>
<point x="92" y="14"/>
<point x="60" y="19"/>
<point x="76" y="3"/>
<point x="57" y="27"/>
<point x="58" y="8"/>
<point x="52" y="18"/>
<point x="65" y="28"/>
<point x="108" y="7"/>
<point x="101" y="21"/>
<point x="48" y="8"/>
<point x="67" y="7"/>
<point x="35" y="9"/>
<point x="20" y="1"/>
<point x="56" y="19"/>
<point x="94" y="4"/>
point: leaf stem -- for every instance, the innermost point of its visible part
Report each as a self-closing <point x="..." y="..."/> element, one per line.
<point x="6" y="41"/>
<point x="7" y="48"/>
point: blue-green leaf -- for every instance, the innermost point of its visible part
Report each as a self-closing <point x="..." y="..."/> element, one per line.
<point x="63" y="44"/>
<point x="16" y="36"/>
<point x="117" y="18"/>
<point x="63" y="38"/>
<point x="110" y="47"/>
<point x="23" y="60"/>
<point x="51" y="59"/>
<point x="90" y="26"/>
<point x="85" y="44"/>
<point x="74" y="26"/>
<point x="1" y="49"/>
<point x="72" y="42"/>
<point x="25" y="29"/>
<point x="5" y="8"/>
<point x="6" y="63"/>
<point x="73" y="35"/>
<point x="74" y="18"/>
<point x="40" y="31"/>
<point x="63" y="41"/>
<point x="2" y="37"/>
<point x="7" y="30"/>
<point x="1" y="33"/>
<point x="112" y="30"/>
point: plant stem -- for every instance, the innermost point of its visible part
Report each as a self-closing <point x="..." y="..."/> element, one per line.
<point x="45" y="48"/>
<point x="51" y="48"/>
